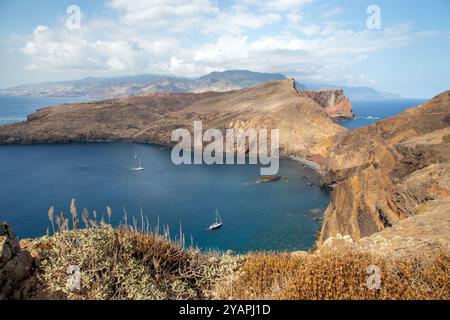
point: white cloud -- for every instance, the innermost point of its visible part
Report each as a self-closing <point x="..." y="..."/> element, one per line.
<point x="175" y="15"/>
<point x="40" y="29"/>
<point x="333" y="12"/>
<point x="184" y="16"/>
<point x="294" y="18"/>
<point x="277" y="5"/>
<point x="211" y="38"/>
<point x="238" y="21"/>
<point x="94" y="51"/>
<point x="226" y="49"/>
<point x="310" y="30"/>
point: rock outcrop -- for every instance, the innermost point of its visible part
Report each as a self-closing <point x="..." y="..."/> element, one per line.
<point x="152" y="118"/>
<point x="391" y="170"/>
<point x="268" y="179"/>
<point x="16" y="266"/>
<point x="424" y="234"/>
<point x="334" y="101"/>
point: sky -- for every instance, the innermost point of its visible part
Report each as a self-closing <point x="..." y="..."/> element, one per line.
<point x="392" y="45"/>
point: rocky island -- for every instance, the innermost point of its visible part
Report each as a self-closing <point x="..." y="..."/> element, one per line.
<point x="268" y="179"/>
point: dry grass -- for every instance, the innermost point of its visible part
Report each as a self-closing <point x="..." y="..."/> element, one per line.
<point x="135" y="262"/>
<point x="117" y="264"/>
<point x="337" y="275"/>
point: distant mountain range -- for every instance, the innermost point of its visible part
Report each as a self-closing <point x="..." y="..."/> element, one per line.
<point x="357" y="93"/>
<point x="118" y="87"/>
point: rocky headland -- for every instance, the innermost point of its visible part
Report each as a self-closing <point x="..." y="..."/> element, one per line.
<point x="302" y="121"/>
<point x="334" y="101"/>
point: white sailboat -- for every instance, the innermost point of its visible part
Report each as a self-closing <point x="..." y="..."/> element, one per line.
<point x="138" y="168"/>
<point x="218" y="224"/>
<point x="135" y="155"/>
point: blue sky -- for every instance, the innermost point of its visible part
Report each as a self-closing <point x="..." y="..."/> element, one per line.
<point x="314" y="41"/>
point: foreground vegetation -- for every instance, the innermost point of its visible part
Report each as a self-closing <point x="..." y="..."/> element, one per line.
<point x="338" y="275"/>
<point x="136" y="262"/>
<point x="117" y="264"/>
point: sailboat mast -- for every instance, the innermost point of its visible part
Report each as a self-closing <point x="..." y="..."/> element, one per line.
<point x="218" y="219"/>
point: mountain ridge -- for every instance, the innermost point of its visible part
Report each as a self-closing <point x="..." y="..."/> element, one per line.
<point x="124" y="86"/>
<point x="357" y="93"/>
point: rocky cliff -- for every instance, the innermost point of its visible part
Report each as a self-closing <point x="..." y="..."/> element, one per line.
<point x="391" y="170"/>
<point x="151" y="118"/>
<point x="334" y="101"/>
<point x="16" y="265"/>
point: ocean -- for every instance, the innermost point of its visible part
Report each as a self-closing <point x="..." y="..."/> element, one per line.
<point x="282" y="215"/>
<point x="368" y="112"/>
<point x="16" y="109"/>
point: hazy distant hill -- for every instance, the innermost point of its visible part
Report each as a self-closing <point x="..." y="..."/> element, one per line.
<point x="87" y="87"/>
<point x="132" y="85"/>
<point x="357" y="93"/>
<point x="119" y="87"/>
<point x="216" y="81"/>
<point x="232" y="80"/>
<point x="167" y="84"/>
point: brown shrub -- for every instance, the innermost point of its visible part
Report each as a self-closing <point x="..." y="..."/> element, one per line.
<point x="119" y="264"/>
<point x="133" y="262"/>
<point x="338" y="275"/>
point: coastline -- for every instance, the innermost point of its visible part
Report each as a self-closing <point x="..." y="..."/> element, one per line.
<point x="308" y="163"/>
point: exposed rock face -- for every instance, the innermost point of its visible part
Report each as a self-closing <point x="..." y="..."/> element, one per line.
<point x="152" y="118"/>
<point x="393" y="169"/>
<point x="333" y="100"/>
<point x="16" y="265"/>
<point x="423" y="234"/>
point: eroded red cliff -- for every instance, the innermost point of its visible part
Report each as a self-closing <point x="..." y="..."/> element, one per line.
<point x="334" y="101"/>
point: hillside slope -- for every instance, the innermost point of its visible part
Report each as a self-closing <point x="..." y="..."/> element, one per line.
<point x="388" y="171"/>
<point x="151" y="118"/>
